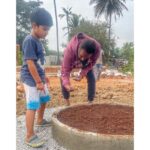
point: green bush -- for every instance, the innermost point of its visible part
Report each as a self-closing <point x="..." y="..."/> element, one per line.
<point x="19" y="56"/>
<point x="128" y="54"/>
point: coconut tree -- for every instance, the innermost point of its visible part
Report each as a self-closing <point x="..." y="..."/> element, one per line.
<point x="66" y="13"/>
<point x="74" y="21"/>
<point x="109" y="8"/>
<point x="55" y="8"/>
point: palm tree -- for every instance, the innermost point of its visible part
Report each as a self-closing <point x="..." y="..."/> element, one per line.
<point x="67" y="13"/>
<point x="56" y="31"/>
<point x="74" y="21"/>
<point x="109" y="8"/>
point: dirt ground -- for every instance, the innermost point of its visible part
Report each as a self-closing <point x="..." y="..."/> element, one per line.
<point x="108" y="90"/>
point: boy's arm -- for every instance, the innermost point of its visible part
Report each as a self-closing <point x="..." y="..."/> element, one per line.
<point x="35" y="75"/>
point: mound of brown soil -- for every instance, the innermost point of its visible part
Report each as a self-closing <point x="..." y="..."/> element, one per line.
<point x="100" y="118"/>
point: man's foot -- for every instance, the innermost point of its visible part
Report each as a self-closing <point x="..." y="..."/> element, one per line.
<point x="67" y="102"/>
<point x="90" y="102"/>
<point x="44" y="123"/>
<point x="35" y="142"/>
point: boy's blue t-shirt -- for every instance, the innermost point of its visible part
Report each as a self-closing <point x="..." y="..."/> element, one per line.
<point x="32" y="49"/>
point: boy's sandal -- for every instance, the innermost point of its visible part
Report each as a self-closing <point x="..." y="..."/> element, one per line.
<point x="35" y="142"/>
<point x="44" y="123"/>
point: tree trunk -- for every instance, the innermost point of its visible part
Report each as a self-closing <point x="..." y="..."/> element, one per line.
<point x="58" y="60"/>
<point x="109" y="34"/>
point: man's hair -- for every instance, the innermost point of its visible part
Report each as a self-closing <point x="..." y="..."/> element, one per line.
<point x="89" y="46"/>
<point x="40" y="16"/>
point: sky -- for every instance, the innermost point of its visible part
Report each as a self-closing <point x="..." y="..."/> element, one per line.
<point x="123" y="28"/>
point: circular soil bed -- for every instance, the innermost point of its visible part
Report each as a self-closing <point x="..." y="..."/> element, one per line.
<point x="94" y="127"/>
<point x="104" y="118"/>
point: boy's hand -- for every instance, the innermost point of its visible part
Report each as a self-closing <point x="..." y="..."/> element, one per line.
<point x="69" y="88"/>
<point x="40" y="86"/>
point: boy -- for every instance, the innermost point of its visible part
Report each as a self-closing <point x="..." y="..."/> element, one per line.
<point x="33" y="76"/>
<point x="81" y="52"/>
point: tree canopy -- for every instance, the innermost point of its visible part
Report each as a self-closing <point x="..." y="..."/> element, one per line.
<point x="23" y="11"/>
<point x="97" y="31"/>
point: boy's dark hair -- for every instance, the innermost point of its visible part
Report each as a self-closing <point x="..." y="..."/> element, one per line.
<point x="89" y="46"/>
<point x="40" y="16"/>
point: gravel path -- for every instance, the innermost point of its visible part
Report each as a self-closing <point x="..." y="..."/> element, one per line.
<point x="44" y="133"/>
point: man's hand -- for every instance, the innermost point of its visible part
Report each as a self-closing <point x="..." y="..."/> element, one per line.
<point x="78" y="78"/>
<point x="69" y="88"/>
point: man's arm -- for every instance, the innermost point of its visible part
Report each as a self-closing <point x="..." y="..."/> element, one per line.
<point x="66" y="68"/>
<point x="68" y="62"/>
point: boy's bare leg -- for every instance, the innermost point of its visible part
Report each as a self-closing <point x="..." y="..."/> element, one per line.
<point x="41" y="113"/>
<point x="30" y="116"/>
